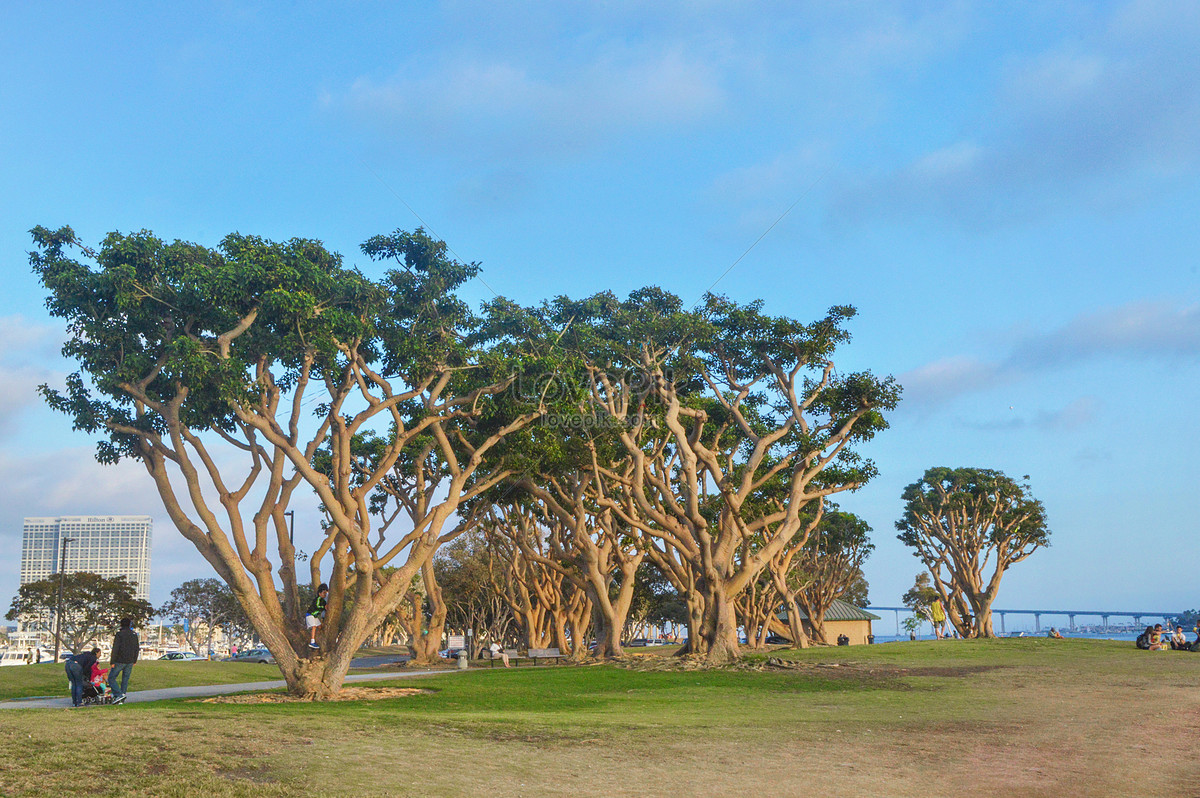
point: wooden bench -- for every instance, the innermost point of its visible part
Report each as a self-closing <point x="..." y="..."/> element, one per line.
<point x="545" y="653"/>
<point x="513" y="658"/>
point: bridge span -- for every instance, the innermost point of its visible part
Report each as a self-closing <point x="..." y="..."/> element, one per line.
<point x="1104" y="615"/>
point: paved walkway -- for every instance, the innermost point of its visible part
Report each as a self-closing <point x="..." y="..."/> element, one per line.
<point x="203" y="691"/>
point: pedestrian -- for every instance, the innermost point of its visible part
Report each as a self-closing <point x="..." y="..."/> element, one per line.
<point x="125" y="650"/>
<point x="938" y="616"/>
<point x="79" y="670"/>
<point x="316" y="611"/>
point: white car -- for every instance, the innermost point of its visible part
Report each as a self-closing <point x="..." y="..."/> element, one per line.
<point x="186" y="656"/>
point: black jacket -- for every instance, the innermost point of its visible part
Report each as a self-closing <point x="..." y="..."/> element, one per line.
<point x="125" y="647"/>
<point x="86" y="660"/>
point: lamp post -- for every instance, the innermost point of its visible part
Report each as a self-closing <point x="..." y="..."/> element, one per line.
<point x="291" y="514"/>
<point x="62" y="572"/>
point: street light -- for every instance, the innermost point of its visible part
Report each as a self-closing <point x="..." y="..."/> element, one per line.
<point x="62" y="572"/>
<point x="291" y="514"/>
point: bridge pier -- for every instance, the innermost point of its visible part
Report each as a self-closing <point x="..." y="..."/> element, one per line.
<point x="1037" y="622"/>
<point x="1001" y="614"/>
<point x="1071" y="622"/>
<point x="1104" y="618"/>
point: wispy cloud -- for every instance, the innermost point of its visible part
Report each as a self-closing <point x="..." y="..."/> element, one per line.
<point x="1139" y="329"/>
<point x="28" y="354"/>
<point x="1110" y="104"/>
<point x="1074" y="415"/>
<point x="514" y="106"/>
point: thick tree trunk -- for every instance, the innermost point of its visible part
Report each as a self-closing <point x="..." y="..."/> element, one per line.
<point x="816" y="619"/>
<point x="317" y="678"/>
<point x="428" y="640"/>
<point x="981" y="625"/>
<point x="720" y="632"/>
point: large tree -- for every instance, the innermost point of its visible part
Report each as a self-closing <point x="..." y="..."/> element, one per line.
<point x="92" y="606"/>
<point x="226" y="371"/>
<point x="714" y="406"/>
<point x="969" y="526"/>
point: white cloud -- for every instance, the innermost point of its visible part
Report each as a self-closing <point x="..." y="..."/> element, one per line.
<point x="26" y="347"/>
<point x="1104" y="105"/>
<point x="1142" y="329"/>
<point x="515" y="107"/>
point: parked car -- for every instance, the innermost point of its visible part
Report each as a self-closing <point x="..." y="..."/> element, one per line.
<point x="262" y="655"/>
<point x="186" y="656"/>
<point x="778" y="640"/>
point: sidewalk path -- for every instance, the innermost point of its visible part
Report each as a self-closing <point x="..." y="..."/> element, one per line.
<point x="203" y="691"/>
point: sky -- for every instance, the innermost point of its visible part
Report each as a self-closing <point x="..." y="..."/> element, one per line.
<point x="1007" y="193"/>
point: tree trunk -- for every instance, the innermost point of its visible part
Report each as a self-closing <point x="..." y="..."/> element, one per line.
<point x="427" y="645"/>
<point x="695" y="644"/>
<point x="720" y="632"/>
<point x="816" y="619"/>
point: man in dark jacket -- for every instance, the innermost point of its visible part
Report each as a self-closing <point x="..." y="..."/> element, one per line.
<point x="125" y="650"/>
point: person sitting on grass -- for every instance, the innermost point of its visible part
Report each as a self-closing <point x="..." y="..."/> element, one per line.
<point x="1156" y="638"/>
<point x="1179" y="640"/>
<point x="316" y="611"/>
<point x="1143" y="640"/>
<point x="1055" y="634"/>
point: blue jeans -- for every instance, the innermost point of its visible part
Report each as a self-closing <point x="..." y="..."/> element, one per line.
<point x="122" y="669"/>
<point x="75" y="675"/>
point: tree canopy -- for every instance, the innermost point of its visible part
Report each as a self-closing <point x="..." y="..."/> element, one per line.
<point x="92" y="606"/>
<point x="623" y="430"/>
<point x="969" y="526"/>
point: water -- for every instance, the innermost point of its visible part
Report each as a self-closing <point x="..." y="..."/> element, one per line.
<point x="1126" y="636"/>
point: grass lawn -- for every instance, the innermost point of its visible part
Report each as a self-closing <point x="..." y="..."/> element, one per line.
<point x="48" y="679"/>
<point x="1027" y="717"/>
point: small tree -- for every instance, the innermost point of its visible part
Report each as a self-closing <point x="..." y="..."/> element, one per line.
<point x="832" y="560"/>
<point x="92" y="605"/>
<point x="200" y="605"/>
<point x="963" y="523"/>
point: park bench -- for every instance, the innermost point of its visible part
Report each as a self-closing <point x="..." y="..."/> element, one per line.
<point x="513" y="658"/>
<point x="545" y="653"/>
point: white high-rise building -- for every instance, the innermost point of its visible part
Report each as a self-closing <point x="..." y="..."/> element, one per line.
<point x="108" y="545"/>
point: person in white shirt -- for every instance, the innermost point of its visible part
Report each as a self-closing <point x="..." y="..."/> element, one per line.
<point x="497" y="651"/>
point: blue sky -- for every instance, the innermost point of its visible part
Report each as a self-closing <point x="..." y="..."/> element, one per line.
<point x="1009" y="197"/>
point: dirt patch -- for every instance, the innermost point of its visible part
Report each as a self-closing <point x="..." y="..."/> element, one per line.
<point x="259" y="775"/>
<point x="965" y="670"/>
<point x="345" y="694"/>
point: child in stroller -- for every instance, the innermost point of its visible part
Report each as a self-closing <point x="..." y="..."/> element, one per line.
<point x="96" y="690"/>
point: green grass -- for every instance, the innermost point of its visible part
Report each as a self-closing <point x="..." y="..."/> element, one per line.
<point x="1073" y="709"/>
<point x="48" y="679"/>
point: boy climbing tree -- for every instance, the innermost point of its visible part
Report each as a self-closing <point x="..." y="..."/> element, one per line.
<point x="316" y="611"/>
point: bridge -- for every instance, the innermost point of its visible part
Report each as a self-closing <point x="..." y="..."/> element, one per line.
<point x="1104" y="615"/>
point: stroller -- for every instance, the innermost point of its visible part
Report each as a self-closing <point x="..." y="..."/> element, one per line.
<point x="96" y="693"/>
